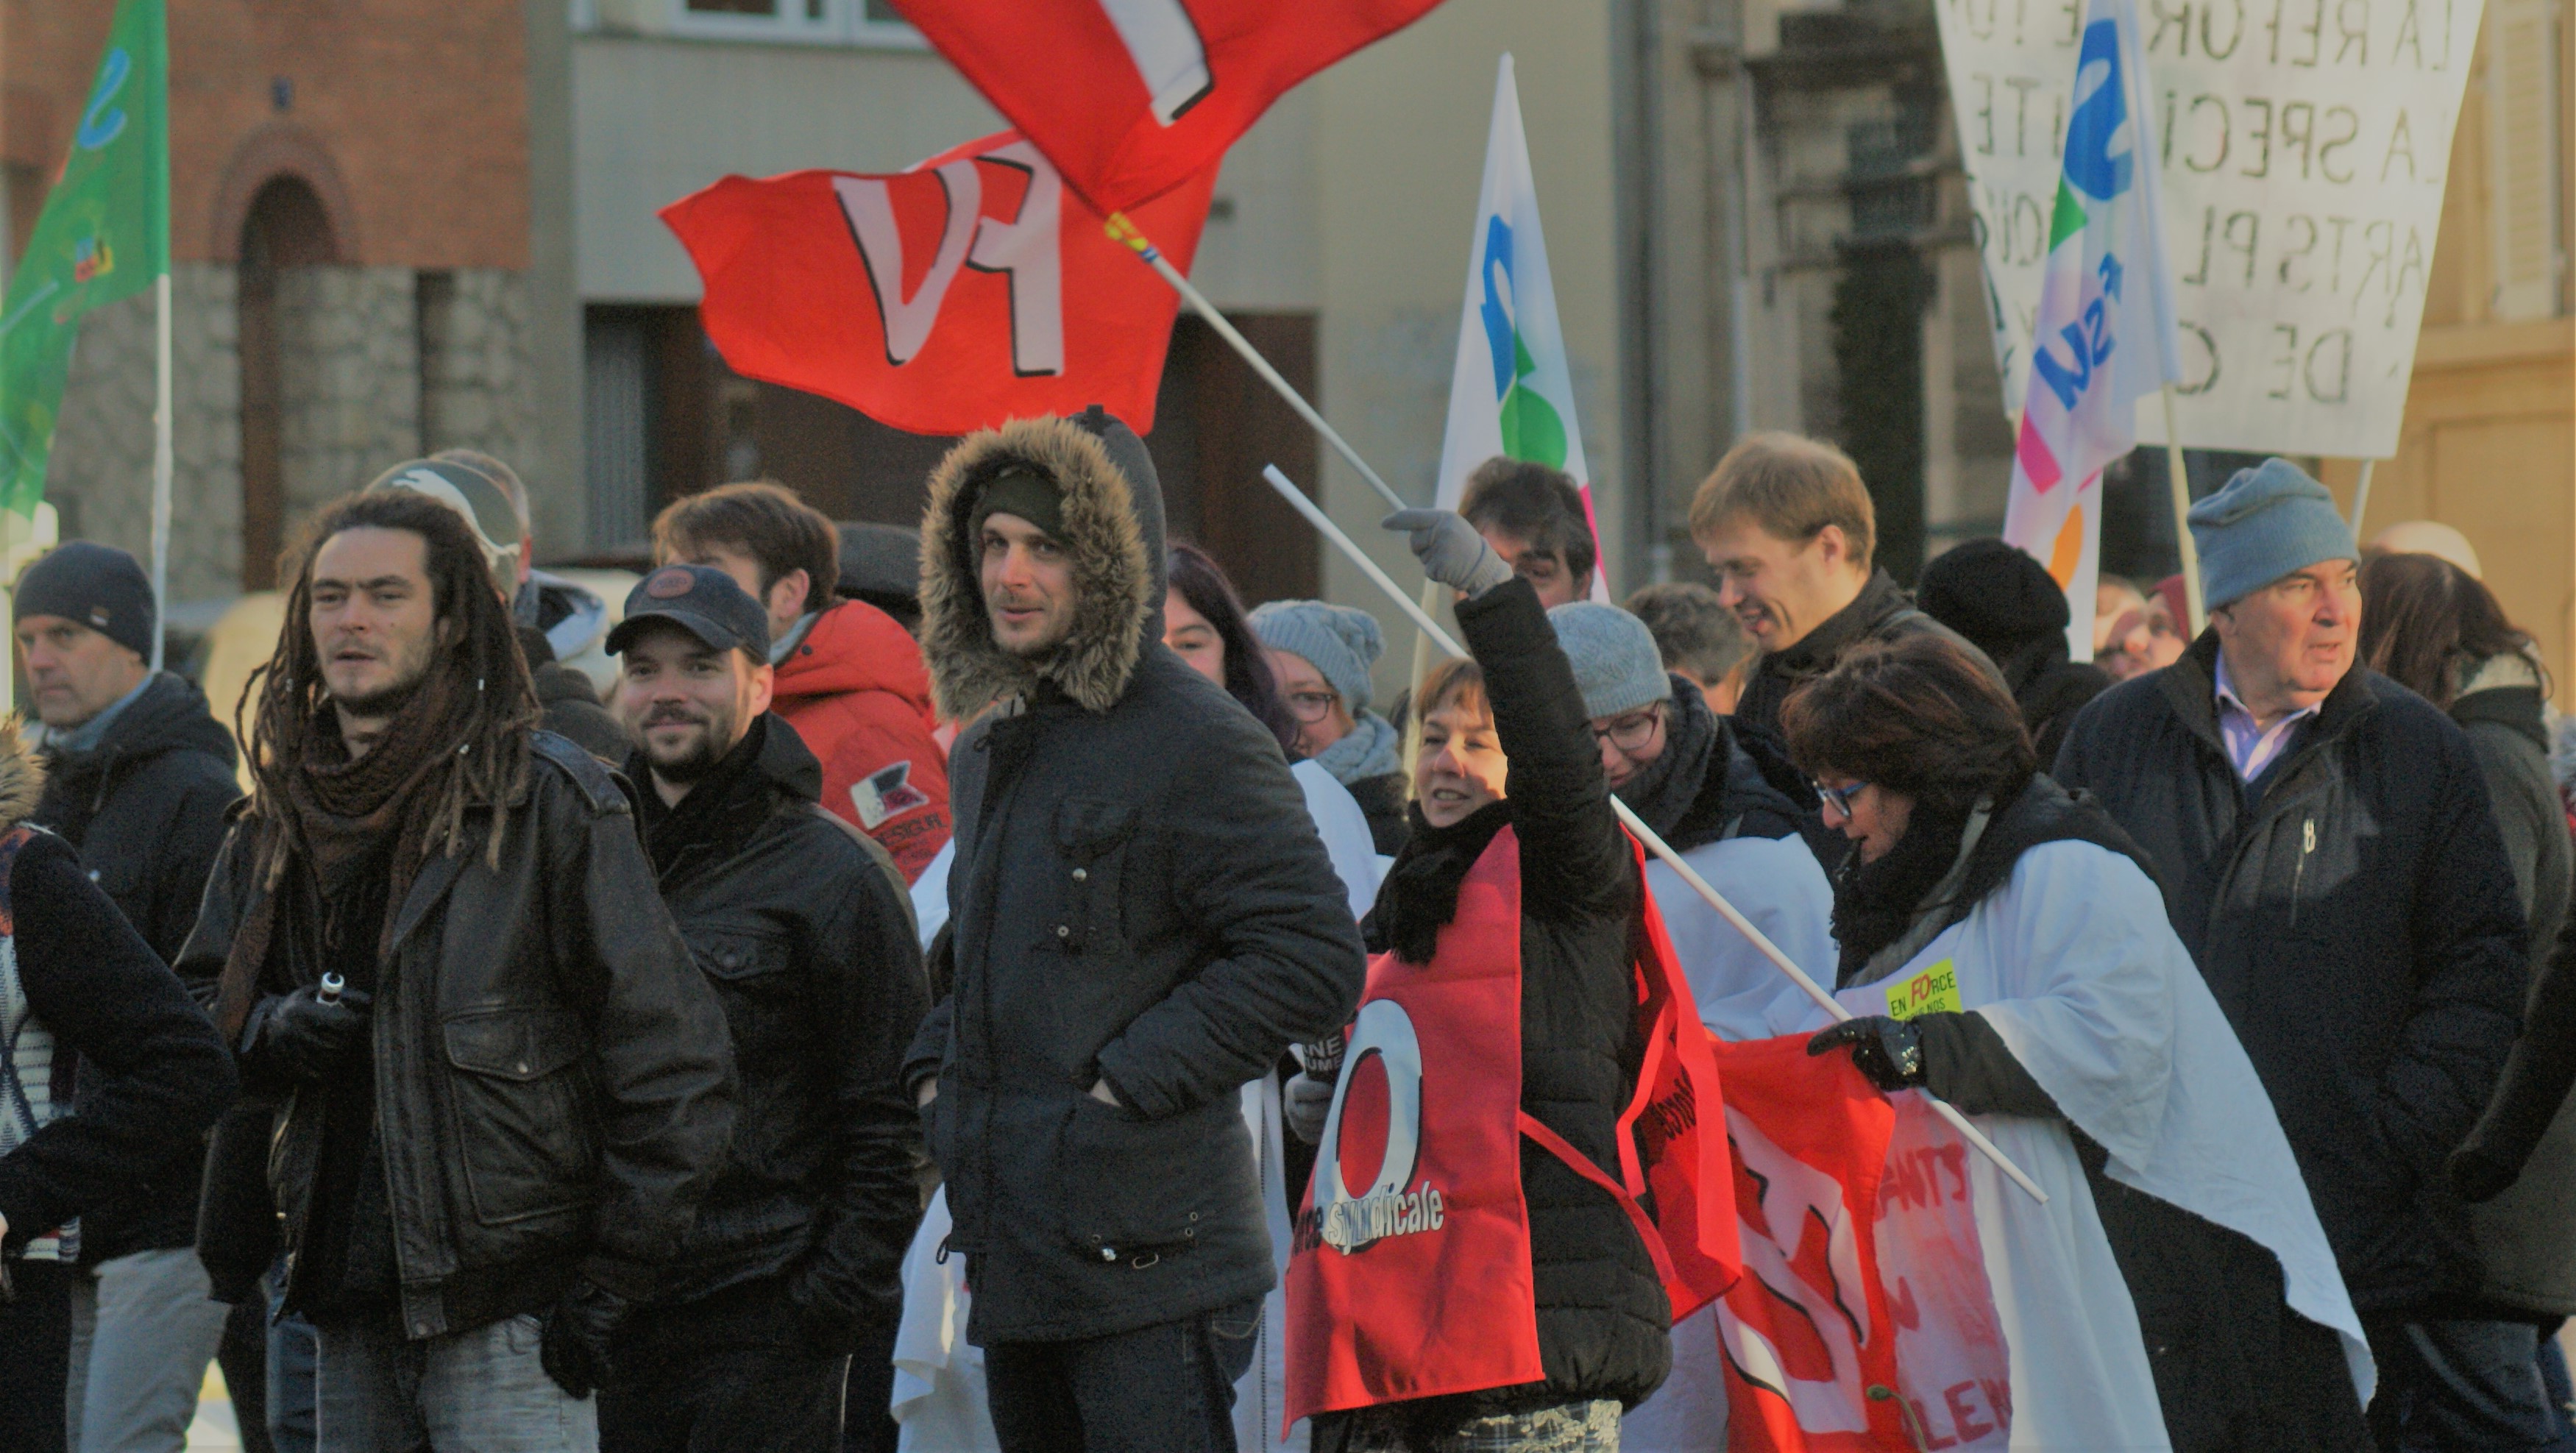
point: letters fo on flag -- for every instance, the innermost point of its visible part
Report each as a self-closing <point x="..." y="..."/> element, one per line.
<point x="1132" y="98"/>
<point x="104" y="235"/>
<point x="1510" y="391"/>
<point x="1864" y="1320"/>
<point x="968" y="290"/>
<point x="2105" y="332"/>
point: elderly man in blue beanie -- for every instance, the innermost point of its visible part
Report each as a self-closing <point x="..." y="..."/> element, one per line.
<point x="2328" y="854"/>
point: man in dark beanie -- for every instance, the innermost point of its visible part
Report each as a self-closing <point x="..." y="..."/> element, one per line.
<point x="138" y="777"/>
<point x="1144" y="921"/>
<point x="2010" y="607"/>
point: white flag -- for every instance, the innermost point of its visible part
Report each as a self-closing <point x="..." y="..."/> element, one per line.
<point x="1510" y="392"/>
<point x="2105" y="332"/>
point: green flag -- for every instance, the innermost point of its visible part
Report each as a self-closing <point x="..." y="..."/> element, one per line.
<point x="104" y="235"/>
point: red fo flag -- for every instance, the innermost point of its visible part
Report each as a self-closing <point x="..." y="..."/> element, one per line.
<point x="971" y="289"/>
<point x="1806" y="1332"/>
<point x="1134" y="97"/>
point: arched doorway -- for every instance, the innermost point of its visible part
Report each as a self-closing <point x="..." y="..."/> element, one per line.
<point x="286" y="227"/>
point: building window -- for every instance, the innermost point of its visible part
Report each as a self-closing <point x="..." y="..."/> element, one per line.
<point x="842" y="22"/>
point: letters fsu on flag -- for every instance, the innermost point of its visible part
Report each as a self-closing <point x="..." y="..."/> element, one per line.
<point x="971" y="289"/>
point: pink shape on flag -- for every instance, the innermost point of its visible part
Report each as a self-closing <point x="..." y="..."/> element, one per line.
<point x="2038" y="465"/>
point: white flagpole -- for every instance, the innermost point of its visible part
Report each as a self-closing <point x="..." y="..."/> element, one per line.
<point x="1653" y="841"/>
<point x="161" y="466"/>
<point x="2181" y="482"/>
<point x="1125" y="231"/>
<point x="2361" y="496"/>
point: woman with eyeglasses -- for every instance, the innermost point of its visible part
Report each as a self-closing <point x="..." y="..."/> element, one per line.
<point x="2005" y="947"/>
<point x="1321" y="654"/>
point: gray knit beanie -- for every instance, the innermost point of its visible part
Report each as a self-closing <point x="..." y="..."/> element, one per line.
<point x="98" y="586"/>
<point x="1341" y="642"/>
<point x="2267" y="522"/>
<point x="1615" y="661"/>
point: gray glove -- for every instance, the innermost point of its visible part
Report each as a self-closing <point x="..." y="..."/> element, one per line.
<point x="1306" y="1104"/>
<point x="1451" y="551"/>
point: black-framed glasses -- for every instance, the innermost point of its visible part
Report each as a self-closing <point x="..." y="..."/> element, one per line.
<point x="1311" y="707"/>
<point x="1631" y="733"/>
<point x="1840" y="798"/>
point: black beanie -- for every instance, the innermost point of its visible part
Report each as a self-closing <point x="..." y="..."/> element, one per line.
<point x="1992" y="593"/>
<point x="98" y="586"/>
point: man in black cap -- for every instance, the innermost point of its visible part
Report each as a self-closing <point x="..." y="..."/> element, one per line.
<point x="138" y="777"/>
<point x="804" y="929"/>
<point x="1143" y="921"/>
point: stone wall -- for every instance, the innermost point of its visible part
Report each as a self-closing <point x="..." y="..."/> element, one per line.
<point x="378" y="364"/>
<point x="100" y="477"/>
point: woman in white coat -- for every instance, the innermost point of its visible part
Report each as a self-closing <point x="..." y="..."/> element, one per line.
<point x="2005" y="949"/>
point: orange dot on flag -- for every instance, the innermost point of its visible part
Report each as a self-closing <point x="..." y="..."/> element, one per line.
<point x="2067" y="551"/>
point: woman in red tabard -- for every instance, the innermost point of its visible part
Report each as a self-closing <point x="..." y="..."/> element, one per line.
<point x="1459" y="1280"/>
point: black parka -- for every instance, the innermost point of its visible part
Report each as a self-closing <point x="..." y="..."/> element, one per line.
<point x="145" y="809"/>
<point x="1139" y="897"/>
<point x="553" y="1082"/>
<point x="804" y="929"/>
<point x="2356" y="920"/>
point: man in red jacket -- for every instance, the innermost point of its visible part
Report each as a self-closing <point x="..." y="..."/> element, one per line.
<point x="849" y="677"/>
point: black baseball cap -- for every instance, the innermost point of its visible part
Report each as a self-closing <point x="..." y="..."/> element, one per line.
<point x="700" y="600"/>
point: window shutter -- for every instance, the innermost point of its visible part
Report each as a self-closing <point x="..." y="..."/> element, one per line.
<point x="2523" y="156"/>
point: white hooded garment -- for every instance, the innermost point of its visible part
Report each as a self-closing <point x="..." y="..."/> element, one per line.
<point x="2073" y="963"/>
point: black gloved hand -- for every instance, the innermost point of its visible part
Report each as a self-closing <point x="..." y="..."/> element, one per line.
<point x="573" y="1344"/>
<point x="1887" y="1052"/>
<point x="304" y="1037"/>
<point x="2477" y="1177"/>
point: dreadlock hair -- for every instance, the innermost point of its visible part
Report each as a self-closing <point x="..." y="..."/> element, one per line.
<point x="491" y="763"/>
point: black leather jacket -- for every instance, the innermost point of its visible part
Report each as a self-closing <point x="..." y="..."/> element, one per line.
<point x="804" y="927"/>
<point x="553" y="1084"/>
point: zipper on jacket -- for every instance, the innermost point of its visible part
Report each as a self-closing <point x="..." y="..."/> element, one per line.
<point x="2299" y="874"/>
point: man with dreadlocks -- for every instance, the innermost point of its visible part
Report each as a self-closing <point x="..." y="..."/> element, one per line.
<point x="435" y="942"/>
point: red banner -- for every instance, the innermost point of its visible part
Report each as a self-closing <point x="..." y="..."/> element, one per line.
<point x="1807" y="1333"/>
<point x="1132" y="98"/>
<point x="971" y="289"/>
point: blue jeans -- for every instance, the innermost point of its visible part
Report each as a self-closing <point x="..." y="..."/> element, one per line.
<point x="477" y="1391"/>
<point x="1168" y="1388"/>
<point x="144" y="1327"/>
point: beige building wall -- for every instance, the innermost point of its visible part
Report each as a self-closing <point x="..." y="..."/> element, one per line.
<point x="2489" y="444"/>
<point x="1400" y="150"/>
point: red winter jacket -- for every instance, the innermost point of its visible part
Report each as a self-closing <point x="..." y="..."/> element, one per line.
<point x="855" y="690"/>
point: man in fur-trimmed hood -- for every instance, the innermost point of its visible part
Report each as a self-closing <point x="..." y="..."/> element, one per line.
<point x="1143" y="921"/>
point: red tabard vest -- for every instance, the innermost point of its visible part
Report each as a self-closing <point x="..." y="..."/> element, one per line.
<point x="1410" y="1276"/>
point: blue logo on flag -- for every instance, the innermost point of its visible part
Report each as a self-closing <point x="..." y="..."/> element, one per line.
<point x="1496" y="310"/>
<point x="2101" y="117"/>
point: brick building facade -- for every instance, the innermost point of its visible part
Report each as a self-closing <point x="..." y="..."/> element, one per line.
<point x="356" y="271"/>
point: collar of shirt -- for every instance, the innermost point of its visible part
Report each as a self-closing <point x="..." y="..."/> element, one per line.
<point x="2251" y="747"/>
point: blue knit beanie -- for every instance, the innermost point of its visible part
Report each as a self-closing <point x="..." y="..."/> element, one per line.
<point x="1616" y="665"/>
<point x="1340" y="642"/>
<point x="2267" y="522"/>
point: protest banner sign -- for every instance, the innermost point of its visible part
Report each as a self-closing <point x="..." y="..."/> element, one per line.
<point x="2303" y="147"/>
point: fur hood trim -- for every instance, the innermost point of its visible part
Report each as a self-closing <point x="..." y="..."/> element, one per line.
<point x="22" y="777"/>
<point x="1115" y="569"/>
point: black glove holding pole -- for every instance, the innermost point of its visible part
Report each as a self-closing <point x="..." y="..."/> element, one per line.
<point x="305" y="1035"/>
<point x="1887" y="1052"/>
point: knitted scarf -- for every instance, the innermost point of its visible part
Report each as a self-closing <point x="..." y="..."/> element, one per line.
<point x="1368" y="751"/>
<point x="339" y="813"/>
